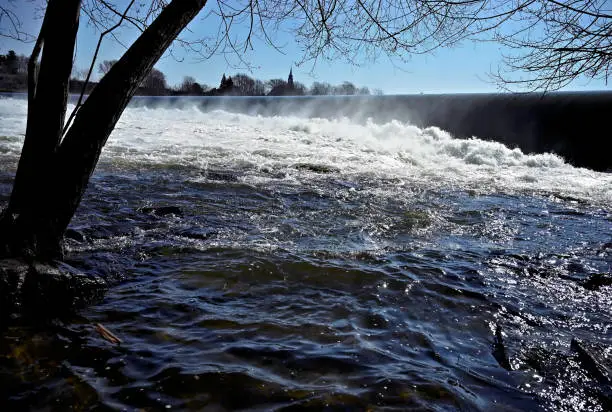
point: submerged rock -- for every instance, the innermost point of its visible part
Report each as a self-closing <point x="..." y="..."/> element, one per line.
<point x="162" y="211"/>
<point x="317" y="168"/>
<point x="593" y="360"/>
<point x="597" y="280"/>
<point x="46" y="289"/>
<point x="13" y="273"/>
<point x="198" y="233"/>
<point x="499" y="350"/>
<point x="222" y="175"/>
<point x="416" y="219"/>
<point x="75" y="235"/>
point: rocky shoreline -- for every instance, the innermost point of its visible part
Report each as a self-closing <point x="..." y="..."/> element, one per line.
<point x="48" y="289"/>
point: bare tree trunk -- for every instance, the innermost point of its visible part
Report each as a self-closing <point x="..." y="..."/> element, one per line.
<point x="21" y="230"/>
<point x="43" y="214"/>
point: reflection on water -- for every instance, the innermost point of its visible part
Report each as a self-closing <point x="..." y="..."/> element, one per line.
<point x="298" y="284"/>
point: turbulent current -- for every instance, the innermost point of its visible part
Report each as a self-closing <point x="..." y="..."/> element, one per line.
<point x="264" y="262"/>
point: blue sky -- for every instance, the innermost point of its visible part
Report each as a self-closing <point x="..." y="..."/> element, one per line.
<point x="461" y="69"/>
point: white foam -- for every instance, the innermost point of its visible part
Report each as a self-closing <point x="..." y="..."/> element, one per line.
<point x="13" y="116"/>
<point x="220" y="139"/>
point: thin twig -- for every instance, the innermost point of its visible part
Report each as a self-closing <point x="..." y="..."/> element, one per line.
<point x="91" y="67"/>
<point x="107" y="334"/>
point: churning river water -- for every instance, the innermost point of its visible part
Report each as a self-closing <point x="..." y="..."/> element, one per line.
<point x="296" y="263"/>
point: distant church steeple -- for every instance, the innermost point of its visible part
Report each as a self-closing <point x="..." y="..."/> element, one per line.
<point x="290" y="79"/>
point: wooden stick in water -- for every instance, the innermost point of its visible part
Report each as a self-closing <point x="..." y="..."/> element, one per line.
<point x="107" y="334"/>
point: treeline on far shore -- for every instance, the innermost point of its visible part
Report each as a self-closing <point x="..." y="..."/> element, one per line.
<point x="13" y="78"/>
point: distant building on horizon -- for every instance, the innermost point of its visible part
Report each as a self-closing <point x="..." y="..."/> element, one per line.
<point x="290" y="79"/>
<point x="287" y="89"/>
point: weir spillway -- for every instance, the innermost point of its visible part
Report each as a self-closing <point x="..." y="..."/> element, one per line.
<point x="574" y="125"/>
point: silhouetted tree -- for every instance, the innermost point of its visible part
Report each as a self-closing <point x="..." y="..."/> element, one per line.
<point x="259" y="88"/>
<point x="272" y="84"/>
<point x="280" y="88"/>
<point x="11" y="62"/>
<point x="14" y="68"/>
<point x="320" y="89"/>
<point x="346" y="88"/>
<point x="190" y="86"/>
<point x="155" y="81"/>
<point x="245" y="85"/>
<point x="188" y="81"/>
<point x="299" y="89"/>
<point x="226" y="87"/>
<point x="56" y="164"/>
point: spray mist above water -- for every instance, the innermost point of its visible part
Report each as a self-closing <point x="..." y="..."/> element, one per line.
<point x="350" y="147"/>
<point x="265" y="139"/>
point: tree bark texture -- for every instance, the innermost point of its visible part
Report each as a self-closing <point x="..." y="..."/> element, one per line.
<point x="23" y="229"/>
<point x="53" y="175"/>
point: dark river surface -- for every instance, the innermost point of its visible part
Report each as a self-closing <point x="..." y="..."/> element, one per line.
<point x="295" y="263"/>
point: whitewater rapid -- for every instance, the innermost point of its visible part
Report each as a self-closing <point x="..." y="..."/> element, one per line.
<point x="395" y="150"/>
